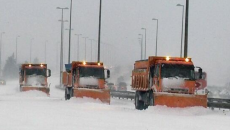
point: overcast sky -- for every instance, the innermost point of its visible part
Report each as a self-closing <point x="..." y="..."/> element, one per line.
<point x="122" y="20"/>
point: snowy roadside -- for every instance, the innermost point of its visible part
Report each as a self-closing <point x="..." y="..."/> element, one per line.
<point x="34" y="110"/>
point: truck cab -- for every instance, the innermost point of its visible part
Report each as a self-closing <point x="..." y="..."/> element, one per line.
<point x="89" y="76"/>
<point x="166" y="81"/>
<point x="174" y="76"/>
<point x="83" y="78"/>
<point x="34" y="77"/>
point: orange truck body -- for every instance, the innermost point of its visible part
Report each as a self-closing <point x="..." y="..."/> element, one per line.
<point x="34" y="77"/>
<point x="85" y="80"/>
<point x="168" y="81"/>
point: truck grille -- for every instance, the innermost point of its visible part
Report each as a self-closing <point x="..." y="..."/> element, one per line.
<point x="176" y="90"/>
<point x="92" y="86"/>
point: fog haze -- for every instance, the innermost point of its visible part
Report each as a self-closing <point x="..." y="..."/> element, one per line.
<point x="122" y="20"/>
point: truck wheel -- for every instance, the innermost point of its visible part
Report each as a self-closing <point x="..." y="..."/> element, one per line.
<point x="67" y="96"/>
<point x="139" y="105"/>
<point x="20" y="88"/>
<point x="151" y="98"/>
<point x="145" y="106"/>
<point x="71" y="92"/>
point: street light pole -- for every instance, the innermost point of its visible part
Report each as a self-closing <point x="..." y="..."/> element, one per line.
<point x="70" y="19"/>
<point x="17" y="48"/>
<point x="57" y="56"/>
<point x="61" y="48"/>
<point x="141" y="46"/>
<point x="1" y="53"/>
<point x="68" y="29"/>
<point x="31" y="47"/>
<point x="91" y="49"/>
<point x="145" y="41"/>
<point x="45" y="50"/>
<point x="69" y="52"/>
<point x="95" y="50"/>
<point x="78" y="35"/>
<point x="156" y="36"/>
<point x="99" y="33"/>
<point x="85" y="46"/>
<point x="140" y="42"/>
<point x="186" y="30"/>
<point x="62" y="41"/>
<point x="182" y="28"/>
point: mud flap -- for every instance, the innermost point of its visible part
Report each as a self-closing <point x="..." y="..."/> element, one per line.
<point x="180" y="100"/>
<point x="101" y="94"/>
<point x="43" y="89"/>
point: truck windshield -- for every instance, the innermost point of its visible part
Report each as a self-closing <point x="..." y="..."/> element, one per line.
<point x="177" y="71"/>
<point x="92" y="72"/>
<point x="36" y="71"/>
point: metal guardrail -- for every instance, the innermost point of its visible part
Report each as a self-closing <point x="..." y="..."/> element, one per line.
<point x="212" y="102"/>
<point x="219" y="100"/>
<point x="219" y="103"/>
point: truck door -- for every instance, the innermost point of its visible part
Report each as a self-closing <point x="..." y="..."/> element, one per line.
<point x="76" y="77"/>
<point x="151" y="75"/>
<point x="21" y="73"/>
<point x="156" y="78"/>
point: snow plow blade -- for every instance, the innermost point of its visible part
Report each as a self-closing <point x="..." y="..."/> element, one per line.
<point x="180" y="100"/>
<point x="101" y="94"/>
<point x="43" y="89"/>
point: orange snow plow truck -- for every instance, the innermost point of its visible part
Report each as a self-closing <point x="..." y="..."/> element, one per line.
<point x="86" y="79"/>
<point x="34" y="77"/>
<point x="168" y="81"/>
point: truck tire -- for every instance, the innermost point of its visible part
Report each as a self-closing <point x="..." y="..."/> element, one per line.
<point x="70" y="94"/>
<point x="20" y="88"/>
<point x="151" y="99"/>
<point x="67" y="96"/>
<point x="139" y="105"/>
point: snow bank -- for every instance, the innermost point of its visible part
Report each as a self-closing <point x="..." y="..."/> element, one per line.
<point x="219" y="92"/>
<point x="84" y="100"/>
<point x="189" y="111"/>
<point x="31" y="93"/>
<point x="10" y="88"/>
<point x="33" y="110"/>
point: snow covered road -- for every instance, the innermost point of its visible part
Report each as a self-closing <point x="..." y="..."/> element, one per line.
<point x="33" y="110"/>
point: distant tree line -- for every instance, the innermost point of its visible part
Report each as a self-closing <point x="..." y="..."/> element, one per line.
<point x="11" y="68"/>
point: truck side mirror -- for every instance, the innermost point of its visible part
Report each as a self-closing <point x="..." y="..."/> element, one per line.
<point x="200" y="73"/>
<point x="108" y="73"/>
<point x="48" y="73"/>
